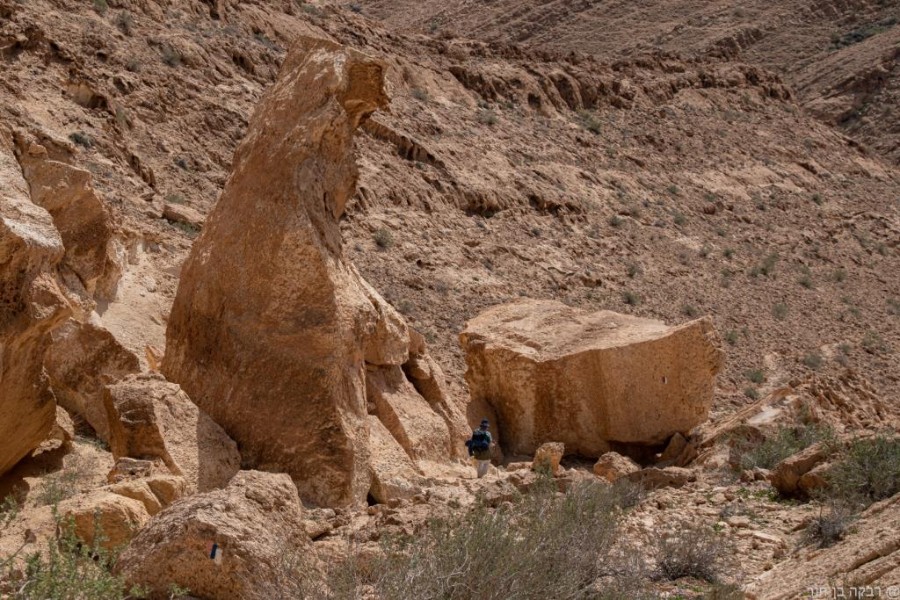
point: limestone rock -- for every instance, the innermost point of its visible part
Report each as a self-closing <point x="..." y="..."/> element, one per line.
<point x="82" y="359"/>
<point x="114" y="517"/>
<point x="547" y="457"/>
<point x="653" y="478"/>
<point x="394" y="475"/>
<point x="273" y="332"/>
<point x="786" y="475"/>
<point x="150" y="417"/>
<point x="31" y="305"/>
<point x="178" y="213"/>
<point x="421" y="432"/>
<point x="553" y="372"/>
<point x="67" y="193"/>
<point x="612" y="465"/>
<point x="678" y="453"/>
<point x="155" y="492"/>
<point x="870" y="554"/>
<point x="256" y="523"/>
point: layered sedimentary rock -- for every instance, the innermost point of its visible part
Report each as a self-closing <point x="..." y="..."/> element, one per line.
<point x="272" y="331"/>
<point x="256" y="524"/>
<point x="556" y="373"/>
<point x="31" y="305"/>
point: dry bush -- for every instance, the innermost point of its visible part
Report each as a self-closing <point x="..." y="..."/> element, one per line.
<point x="693" y="551"/>
<point x="868" y="471"/>
<point x="785" y="442"/>
<point x="829" y="527"/>
<point x="546" y="545"/>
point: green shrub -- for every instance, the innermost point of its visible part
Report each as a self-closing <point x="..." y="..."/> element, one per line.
<point x="766" y="267"/>
<point x="756" y="376"/>
<point x="751" y="393"/>
<point x="780" y="311"/>
<point x="486" y="116"/>
<point x="689" y="310"/>
<point x="100" y="7"/>
<point x="813" y="360"/>
<point x="590" y="121"/>
<point x="383" y="238"/>
<point x="171" y="56"/>
<point x="784" y="442"/>
<point x="731" y="337"/>
<point x="125" y="22"/>
<point x="631" y="298"/>
<point x="71" y="570"/>
<point x="615" y="221"/>
<point x="542" y="546"/>
<point x="82" y="139"/>
<point x="829" y="526"/>
<point x="419" y="94"/>
<point x="693" y="551"/>
<point x="868" y="471"/>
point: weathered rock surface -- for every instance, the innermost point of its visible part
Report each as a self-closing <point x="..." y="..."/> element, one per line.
<point x="869" y="555"/>
<point x="273" y="332"/>
<point x="653" y="478"/>
<point x="66" y="192"/>
<point x="256" y="523"/>
<point x="547" y="457"/>
<point x="553" y="372"/>
<point x="82" y="359"/>
<point x="786" y="475"/>
<point x="612" y="466"/>
<point x="103" y="517"/>
<point x="151" y="418"/>
<point x="31" y="305"/>
<point x="394" y="475"/>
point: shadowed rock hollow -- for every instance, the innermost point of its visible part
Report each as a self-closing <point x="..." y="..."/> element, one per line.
<point x="555" y="373"/>
<point x="272" y="332"/>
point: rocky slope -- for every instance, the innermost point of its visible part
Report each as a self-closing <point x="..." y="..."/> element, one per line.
<point x="840" y="57"/>
<point x="667" y="186"/>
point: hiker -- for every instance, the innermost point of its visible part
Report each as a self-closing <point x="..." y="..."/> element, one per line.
<point x="480" y="447"/>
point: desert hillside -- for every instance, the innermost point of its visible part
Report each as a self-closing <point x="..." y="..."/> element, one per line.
<point x="281" y="258"/>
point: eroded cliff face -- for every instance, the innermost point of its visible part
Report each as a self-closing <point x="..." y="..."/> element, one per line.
<point x="31" y="305"/>
<point x="272" y="331"/>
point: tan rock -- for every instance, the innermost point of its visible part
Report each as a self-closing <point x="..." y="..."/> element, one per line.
<point x="653" y="478"/>
<point x="394" y="475"/>
<point x="678" y="453"/>
<point x="553" y="372"/>
<point x="179" y="213"/>
<point x="155" y="492"/>
<point x="31" y="305"/>
<point x="81" y="360"/>
<point x="612" y="465"/>
<point x="273" y="332"/>
<point x="870" y="554"/>
<point x="108" y="519"/>
<point x="547" y="457"/>
<point x="421" y="432"/>
<point x="814" y="479"/>
<point x="67" y="193"/>
<point x="256" y="522"/>
<point x="150" y="417"/>
<point x="786" y="475"/>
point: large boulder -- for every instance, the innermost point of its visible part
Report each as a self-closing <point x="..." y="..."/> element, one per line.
<point x="273" y="331"/>
<point x="228" y="543"/>
<point x="556" y="373"/>
<point x="32" y="303"/>
<point x="83" y="358"/>
<point x="92" y="252"/>
<point x="151" y="418"/>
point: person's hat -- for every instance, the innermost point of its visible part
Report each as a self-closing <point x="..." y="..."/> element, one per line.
<point x="484" y="423"/>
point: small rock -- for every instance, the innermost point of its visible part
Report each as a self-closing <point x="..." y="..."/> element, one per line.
<point x="613" y="465"/>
